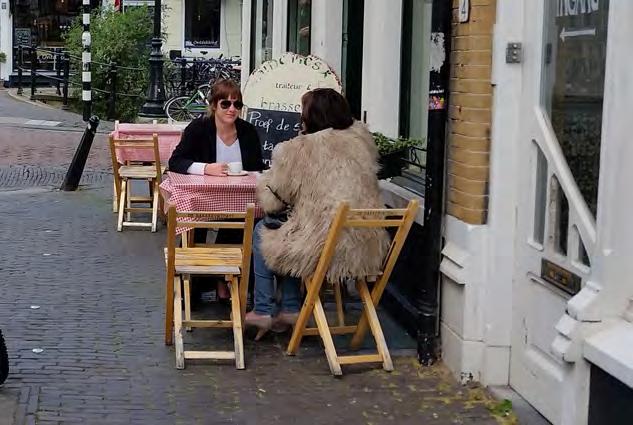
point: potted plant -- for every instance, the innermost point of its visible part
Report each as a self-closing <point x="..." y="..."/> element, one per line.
<point x="392" y="153"/>
<point x="3" y="59"/>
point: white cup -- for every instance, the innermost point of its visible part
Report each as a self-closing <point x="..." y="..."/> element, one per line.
<point x="235" y="167"/>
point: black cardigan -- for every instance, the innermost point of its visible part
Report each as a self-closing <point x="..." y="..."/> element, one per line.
<point x="198" y="145"/>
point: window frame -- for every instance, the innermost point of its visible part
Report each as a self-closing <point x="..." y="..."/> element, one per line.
<point x="222" y="35"/>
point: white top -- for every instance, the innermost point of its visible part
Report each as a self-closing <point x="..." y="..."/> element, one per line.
<point x="223" y="154"/>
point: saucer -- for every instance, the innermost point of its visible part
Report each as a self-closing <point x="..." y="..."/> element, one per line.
<point x="241" y="173"/>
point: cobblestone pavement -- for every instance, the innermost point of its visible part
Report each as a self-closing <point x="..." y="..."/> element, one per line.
<point x="18" y="113"/>
<point x="81" y="307"/>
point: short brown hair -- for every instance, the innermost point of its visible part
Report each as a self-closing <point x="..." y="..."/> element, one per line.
<point x="220" y="90"/>
<point x="325" y="108"/>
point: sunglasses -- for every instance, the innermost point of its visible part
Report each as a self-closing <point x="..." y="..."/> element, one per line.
<point x="226" y="104"/>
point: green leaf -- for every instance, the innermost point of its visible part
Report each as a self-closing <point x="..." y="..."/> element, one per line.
<point x="123" y="38"/>
<point x="387" y="145"/>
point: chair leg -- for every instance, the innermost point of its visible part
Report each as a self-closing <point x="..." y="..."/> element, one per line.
<point x="154" y="206"/>
<point x="128" y="200"/>
<point x="363" y="325"/>
<point x="326" y="337"/>
<point x="374" y="324"/>
<point x="313" y="289"/>
<point x="187" y="285"/>
<point x="339" y="304"/>
<point x="122" y="199"/>
<point x="180" y="347"/>
<point x="237" y="323"/>
<point x="169" y="308"/>
<point x="115" y="197"/>
<point x="243" y="285"/>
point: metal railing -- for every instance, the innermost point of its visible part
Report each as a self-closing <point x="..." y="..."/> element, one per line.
<point x="182" y="75"/>
<point x="69" y="65"/>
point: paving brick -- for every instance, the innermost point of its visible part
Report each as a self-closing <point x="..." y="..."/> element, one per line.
<point x="100" y="324"/>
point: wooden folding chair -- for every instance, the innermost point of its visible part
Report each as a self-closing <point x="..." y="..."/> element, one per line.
<point x="402" y="219"/>
<point x="230" y="261"/>
<point x="149" y="171"/>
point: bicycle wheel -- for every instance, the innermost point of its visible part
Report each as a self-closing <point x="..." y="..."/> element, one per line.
<point x="4" y="360"/>
<point x="181" y="109"/>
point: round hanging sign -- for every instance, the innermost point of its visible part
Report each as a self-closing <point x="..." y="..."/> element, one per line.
<point x="273" y="92"/>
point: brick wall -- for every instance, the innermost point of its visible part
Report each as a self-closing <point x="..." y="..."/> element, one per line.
<point x="470" y="113"/>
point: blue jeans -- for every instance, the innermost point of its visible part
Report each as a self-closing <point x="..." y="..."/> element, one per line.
<point x="265" y="285"/>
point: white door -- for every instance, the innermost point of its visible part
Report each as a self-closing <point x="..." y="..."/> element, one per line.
<point x="563" y="59"/>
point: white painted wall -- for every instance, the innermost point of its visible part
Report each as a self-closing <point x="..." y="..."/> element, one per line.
<point x="326" y="36"/>
<point x="6" y="40"/>
<point x="381" y="65"/>
<point x="478" y="260"/>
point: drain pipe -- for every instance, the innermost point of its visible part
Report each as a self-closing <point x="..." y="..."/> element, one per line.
<point x="428" y="335"/>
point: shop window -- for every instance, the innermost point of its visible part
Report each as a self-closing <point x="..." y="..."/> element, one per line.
<point x="299" y="21"/>
<point x="261" y="32"/>
<point x="414" y="86"/>
<point x="42" y="23"/>
<point x="202" y="23"/>
<point x="130" y="4"/>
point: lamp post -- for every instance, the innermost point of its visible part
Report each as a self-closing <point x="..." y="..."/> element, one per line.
<point x="153" y="107"/>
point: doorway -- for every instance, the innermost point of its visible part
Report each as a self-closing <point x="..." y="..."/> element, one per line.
<point x="557" y="187"/>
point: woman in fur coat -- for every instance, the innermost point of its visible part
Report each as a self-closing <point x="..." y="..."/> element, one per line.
<point x="334" y="160"/>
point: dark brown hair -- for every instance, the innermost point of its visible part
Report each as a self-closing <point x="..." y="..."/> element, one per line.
<point x="220" y="90"/>
<point x="325" y="108"/>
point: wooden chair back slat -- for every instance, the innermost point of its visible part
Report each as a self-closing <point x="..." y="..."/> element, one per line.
<point x="211" y="215"/>
<point x="210" y="225"/>
<point x="373" y="223"/>
<point x="375" y="213"/>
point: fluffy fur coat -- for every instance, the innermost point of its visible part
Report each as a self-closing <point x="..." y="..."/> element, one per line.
<point x="314" y="173"/>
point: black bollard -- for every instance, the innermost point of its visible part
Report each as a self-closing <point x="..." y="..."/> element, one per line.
<point x="58" y="69"/>
<point x="33" y="71"/>
<point x="73" y="175"/>
<point x="20" y="53"/>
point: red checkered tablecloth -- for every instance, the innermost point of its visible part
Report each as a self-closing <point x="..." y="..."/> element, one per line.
<point x="209" y="193"/>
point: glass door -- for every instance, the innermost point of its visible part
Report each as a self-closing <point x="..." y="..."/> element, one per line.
<point x="261" y="32"/>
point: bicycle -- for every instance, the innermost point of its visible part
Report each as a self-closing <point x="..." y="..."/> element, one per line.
<point x="187" y="108"/>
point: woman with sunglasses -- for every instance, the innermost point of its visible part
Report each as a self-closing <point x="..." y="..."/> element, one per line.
<point x="207" y="145"/>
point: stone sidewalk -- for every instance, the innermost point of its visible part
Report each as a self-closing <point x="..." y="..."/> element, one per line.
<point x="92" y="300"/>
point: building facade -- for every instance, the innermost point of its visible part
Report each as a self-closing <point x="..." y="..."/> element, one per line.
<point x="208" y="28"/>
<point x="536" y="236"/>
<point x="534" y="286"/>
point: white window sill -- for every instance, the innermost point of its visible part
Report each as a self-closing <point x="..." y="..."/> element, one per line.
<point x="396" y="196"/>
<point x="610" y="350"/>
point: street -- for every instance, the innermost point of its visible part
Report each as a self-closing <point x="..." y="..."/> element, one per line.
<point x="81" y="307"/>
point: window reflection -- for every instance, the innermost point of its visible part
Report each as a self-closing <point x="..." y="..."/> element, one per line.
<point x="573" y="85"/>
<point x="299" y="21"/>
<point x="262" y="32"/>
